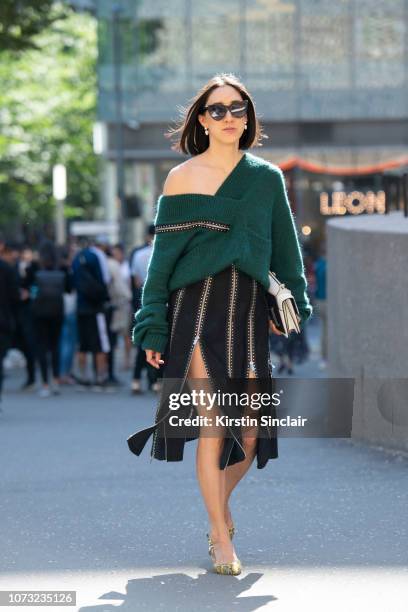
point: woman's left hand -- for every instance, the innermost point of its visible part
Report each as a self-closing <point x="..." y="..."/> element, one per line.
<point x="274" y="329"/>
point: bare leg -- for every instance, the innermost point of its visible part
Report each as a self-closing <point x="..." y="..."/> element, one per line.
<point x="234" y="473"/>
<point x="82" y="364"/>
<point x="101" y="366"/>
<point x="210" y="476"/>
<point x="128" y="349"/>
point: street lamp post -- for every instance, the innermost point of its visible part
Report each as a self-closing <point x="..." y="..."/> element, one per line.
<point x="120" y="167"/>
<point x="59" y="190"/>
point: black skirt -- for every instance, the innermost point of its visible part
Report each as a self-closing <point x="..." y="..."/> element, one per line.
<point x="227" y="313"/>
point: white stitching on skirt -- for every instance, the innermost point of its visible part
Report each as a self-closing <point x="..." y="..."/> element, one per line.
<point x="197" y="330"/>
<point x="179" y="299"/>
<point x="230" y="320"/>
<point x="250" y="329"/>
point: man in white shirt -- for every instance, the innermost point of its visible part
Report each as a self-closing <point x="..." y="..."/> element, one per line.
<point x="138" y="269"/>
<point x="141" y="258"/>
<point x="118" y="253"/>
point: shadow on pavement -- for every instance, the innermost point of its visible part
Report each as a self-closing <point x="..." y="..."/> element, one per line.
<point x="208" y="591"/>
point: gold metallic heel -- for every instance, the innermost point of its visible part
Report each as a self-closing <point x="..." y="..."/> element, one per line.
<point x="233" y="568"/>
<point x="228" y="569"/>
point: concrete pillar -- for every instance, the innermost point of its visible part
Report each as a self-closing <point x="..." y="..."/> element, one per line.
<point x="367" y="288"/>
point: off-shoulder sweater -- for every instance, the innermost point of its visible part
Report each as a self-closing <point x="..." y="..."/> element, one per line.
<point x="248" y="222"/>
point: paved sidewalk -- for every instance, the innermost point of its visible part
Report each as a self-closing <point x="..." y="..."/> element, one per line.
<point x="323" y="527"/>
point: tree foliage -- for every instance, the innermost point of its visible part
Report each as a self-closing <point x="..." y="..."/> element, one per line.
<point x="47" y="111"/>
<point x="22" y="20"/>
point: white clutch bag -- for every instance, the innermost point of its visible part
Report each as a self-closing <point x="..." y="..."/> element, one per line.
<point x="282" y="306"/>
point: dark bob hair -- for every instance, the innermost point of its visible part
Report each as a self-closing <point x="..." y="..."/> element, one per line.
<point x="191" y="138"/>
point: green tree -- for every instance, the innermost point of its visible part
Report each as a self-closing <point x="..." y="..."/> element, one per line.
<point x="22" y="20"/>
<point x="47" y="111"/>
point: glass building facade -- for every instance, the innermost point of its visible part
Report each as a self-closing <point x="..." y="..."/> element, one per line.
<point x="301" y="59"/>
<point x="329" y="79"/>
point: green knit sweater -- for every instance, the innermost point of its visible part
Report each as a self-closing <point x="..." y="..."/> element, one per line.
<point x="247" y="222"/>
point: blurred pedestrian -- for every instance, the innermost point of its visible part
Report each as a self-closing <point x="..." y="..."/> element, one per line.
<point x="284" y="348"/>
<point x="9" y="298"/>
<point x="138" y="270"/>
<point x="136" y="288"/>
<point x="91" y="279"/>
<point x="69" y="335"/>
<point x="26" y="265"/>
<point x="118" y="253"/>
<point x="120" y="295"/>
<point x="47" y="303"/>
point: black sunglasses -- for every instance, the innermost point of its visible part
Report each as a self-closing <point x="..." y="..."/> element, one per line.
<point x="218" y="110"/>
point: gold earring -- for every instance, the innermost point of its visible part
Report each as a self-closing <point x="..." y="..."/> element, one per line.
<point x="206" y="131"/>
<point x="245" y="127"/>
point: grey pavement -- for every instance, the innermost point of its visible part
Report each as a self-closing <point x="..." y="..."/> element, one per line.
<point x="322" y="527"/>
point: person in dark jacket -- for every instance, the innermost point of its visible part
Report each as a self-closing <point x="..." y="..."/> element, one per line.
<point x="9" y="297"/>
<point x="47" y="293"/>
<point x="91" y="278"/>
<point x="25" y="266"/>
<point x="68" y="339"/>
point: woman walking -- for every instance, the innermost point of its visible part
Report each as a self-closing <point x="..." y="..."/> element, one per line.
<point x="223" y="221"/>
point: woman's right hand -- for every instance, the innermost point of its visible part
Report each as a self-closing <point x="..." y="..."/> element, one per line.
<point x="153" y="357"/>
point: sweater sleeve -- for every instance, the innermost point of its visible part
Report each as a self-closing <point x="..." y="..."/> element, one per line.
<point x="286" y="259"/>
<point x="151" y="324"/>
